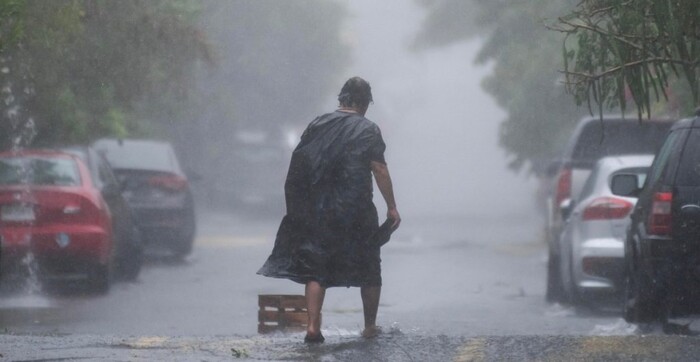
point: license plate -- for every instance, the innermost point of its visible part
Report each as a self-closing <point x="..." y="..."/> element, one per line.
<point x="17" y="212"/>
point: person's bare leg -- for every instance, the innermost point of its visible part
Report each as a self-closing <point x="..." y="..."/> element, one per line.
<point x="370" y="305"/>
<point x="314" y="302"/>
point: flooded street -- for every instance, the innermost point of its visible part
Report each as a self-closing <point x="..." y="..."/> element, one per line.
<point x="452" y="276"/>
<point x="447" y="283"/>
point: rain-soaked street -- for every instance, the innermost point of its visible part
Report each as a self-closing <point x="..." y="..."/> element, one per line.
<point x="455" y="288"/>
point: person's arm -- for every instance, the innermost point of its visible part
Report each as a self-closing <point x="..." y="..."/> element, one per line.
<point x="381" y="174"/>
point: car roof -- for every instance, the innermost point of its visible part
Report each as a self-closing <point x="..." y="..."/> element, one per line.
<point x="613" y="163"/>
<point x="687" y="123"/>
<point x="139" y="154"/>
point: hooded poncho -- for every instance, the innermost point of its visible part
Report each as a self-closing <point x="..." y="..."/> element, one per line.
<point x="325" y="235"/>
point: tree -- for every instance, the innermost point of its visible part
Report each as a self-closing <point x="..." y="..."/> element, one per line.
<point x="276" y="62"/>
<point x="636" y="49"/>
<point x="525" y="57"/>
<point x="75" y="70"/>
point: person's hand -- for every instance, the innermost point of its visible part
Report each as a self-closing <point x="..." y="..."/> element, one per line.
<point x="393" y="214"/>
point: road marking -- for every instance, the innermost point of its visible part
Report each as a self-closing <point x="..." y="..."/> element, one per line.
<point x="472" y="351"/>
<point x="148" y="342"/>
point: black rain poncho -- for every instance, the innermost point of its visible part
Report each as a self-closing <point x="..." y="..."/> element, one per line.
<point x="330" y="215"/>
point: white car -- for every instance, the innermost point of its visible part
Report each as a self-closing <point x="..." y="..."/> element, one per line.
<point x="592" y="240"/>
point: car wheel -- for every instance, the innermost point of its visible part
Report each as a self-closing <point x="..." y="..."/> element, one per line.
<point x="131" y="257"/>
<point x="641" y="304"/>
<point x="183" y="246"/>
<point x="555" y="292"/>
<point x="99" y="279"/>
<point x="571" y="293"/>
<point x="129" y="264"/>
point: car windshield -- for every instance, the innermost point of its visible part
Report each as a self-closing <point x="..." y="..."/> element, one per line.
<point x="39" y="171"/>
<point x="619" y="138"/>
<point x="139" y="156"/>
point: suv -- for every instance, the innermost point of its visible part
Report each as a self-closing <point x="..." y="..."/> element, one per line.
<point x="591" y="140"/>
<point x="662" y="248"/>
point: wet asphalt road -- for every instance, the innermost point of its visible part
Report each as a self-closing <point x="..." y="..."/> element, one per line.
<point x="455" y="288"/>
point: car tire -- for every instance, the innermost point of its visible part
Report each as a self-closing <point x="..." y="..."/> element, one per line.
<point x="99" y="279"/>
<point x="183" y="246"/>
<point x="131" y="257"/>
<point x="641" y="304"/>
<point x="571" y="294"/>
<point x="130" y="262"/>
<point x="555" y="290"/>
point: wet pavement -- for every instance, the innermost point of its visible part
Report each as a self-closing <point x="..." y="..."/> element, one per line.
<point x="391" y="346"/>
<point x="455" y="288"/>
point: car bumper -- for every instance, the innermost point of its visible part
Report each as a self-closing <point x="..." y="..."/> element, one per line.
<point x="600" y="266"/>
<point x="58" y="249"/>
<point x="165" y="227"/>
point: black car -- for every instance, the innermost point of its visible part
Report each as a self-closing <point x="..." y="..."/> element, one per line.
<point x="591" y="140"/>
<point x="157" y="190"/>
<point x="128" y="240"/>
<point x="662" y="248"/>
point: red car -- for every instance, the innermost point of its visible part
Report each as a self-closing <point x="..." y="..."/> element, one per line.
<point x="51" y="211"/>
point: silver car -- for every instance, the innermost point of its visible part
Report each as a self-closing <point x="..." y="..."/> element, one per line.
<point x="592" y="240"/>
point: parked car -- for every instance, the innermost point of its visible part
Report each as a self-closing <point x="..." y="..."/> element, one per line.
<point x="250" y="177"/>
<point x="662" y="248"/>
<point x="157" y="190"/>
<point x="592" y="242"/>
<point x="591" y="140"/>
<point x="128" y="244"/>
<point x="52" y="212"/>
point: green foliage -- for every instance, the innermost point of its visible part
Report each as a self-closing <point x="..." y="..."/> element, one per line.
<point x="619" y="50"/>
<point x="525" y="57"/>
<point x="82" y="69"/>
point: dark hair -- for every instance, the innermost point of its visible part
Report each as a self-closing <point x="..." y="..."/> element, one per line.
<point x="355" y="92"/>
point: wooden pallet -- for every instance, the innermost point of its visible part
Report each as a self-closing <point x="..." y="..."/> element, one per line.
<point x="280" y="312"/>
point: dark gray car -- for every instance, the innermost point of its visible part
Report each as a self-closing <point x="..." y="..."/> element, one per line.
<point x="662" y="248"/>
<point x="157" y="190"/>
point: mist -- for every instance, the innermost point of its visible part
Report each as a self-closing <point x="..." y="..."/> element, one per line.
<point x="440" y="127"/>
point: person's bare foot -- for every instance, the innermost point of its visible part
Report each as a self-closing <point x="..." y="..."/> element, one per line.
<point x="371" y="332"/>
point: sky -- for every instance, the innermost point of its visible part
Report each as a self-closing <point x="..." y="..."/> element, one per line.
<point x="440" y="127"/>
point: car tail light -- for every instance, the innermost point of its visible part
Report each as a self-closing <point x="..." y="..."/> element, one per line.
<point x="169" y="182"/>
<point x="77" y="211"/>
<point x="606" y="208"/>
<point x="660" y="217"/>
<point x="563" y="186"/>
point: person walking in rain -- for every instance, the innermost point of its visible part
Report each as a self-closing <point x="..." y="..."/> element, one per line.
<point x="328" y="238"/>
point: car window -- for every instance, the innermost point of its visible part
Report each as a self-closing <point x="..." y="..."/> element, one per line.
<point x="140" y="156"/>
<point x="39" y="171"/>
<point x="662" y="158"/>
<point x="689" y="168"/>
<point x="598" y="140"/>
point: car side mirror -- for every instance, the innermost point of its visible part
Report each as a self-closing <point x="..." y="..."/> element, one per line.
<point x="566" y="208"/>
<point x="626" y="185"/>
